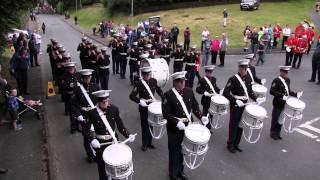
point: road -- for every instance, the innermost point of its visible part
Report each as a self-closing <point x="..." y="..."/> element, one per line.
<point x="296" y="157"/>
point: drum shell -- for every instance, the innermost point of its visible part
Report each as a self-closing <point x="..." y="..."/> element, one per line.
<point x="218" y="108"/>
<point x="196" y="147"/>
<point x="160" y="70"/>
<point x="251" y="120"/>
<point x="259" y="90"/>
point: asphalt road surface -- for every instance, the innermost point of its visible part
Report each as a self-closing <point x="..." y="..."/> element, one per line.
<point x="296" y="157"/>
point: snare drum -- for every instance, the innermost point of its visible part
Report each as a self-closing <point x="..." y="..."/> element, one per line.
<point x="155" y="120"/>
<point x="118" y="159"/>
<point x="294" y="107"/>
<point x="195" y="144"/>
<point x="159" y="68"/>
<point x="259" y="90"/>
<point x="218" y="105"/>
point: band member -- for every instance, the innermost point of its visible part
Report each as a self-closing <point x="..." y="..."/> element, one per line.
<point x="190" y="61"/>
<point x="178" y="56"/>
<point x="123" y="54"/>
<point x="165" y="50"/>
<point x="310" y="36"/>
<point x="290" y="46"/>
<point x="315" y="65"/>
<point x="134" y="62"/>
<point x="208" y="87"/>
<point x="237" y="91"/>
<point x="280" y="89"/>
<point x="177" y="105"/>
<point x="143" y="94"/>
<point x="300" y="48"/>
<point x="252" y="71"/>
<point x="50" y="50"/>
<point x="103" y="63"/>
<point x="80" y="106"/>
<point x="92" y="62"/>
<point x="111" y="114"/>
<point x="114" y="52"/>
<point x="81" y="48"/>
<point x="149" y="49"/>
<point x="68" y="82"/>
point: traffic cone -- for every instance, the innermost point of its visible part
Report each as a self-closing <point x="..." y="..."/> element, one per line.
<point x="50" y="89"/>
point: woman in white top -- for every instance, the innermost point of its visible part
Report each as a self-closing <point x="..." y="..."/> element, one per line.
<point x="204" y="36"/>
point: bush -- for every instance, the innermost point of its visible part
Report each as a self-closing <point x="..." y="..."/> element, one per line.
<point x="60" y="7"/>
<point x="105" y="3"/>
<point x="87" y="2"/>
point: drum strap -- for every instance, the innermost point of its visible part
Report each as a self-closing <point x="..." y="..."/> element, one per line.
<point x="180" y="99"/>
<point x="243" y="85"/>
<point x="250" y="73"/>
<point x="210" y="85"/>
<point x="285" y="84"/>
<point x="148" y="88"/>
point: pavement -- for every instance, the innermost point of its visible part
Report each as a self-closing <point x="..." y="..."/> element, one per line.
<point x="23" y="152"/>
<point x="296" y="157"/>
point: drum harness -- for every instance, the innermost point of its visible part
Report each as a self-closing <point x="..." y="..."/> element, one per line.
<point x="251" y="76"/>
<point x="148" y="88"/>
<point x="285" y="84"/>
<point x="244" y="88"/>
<point x="180" y="99"/>
<point x="210" y="85"/>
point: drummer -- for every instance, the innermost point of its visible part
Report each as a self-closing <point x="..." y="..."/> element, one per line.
<point x="143" y="94"/>
<point x="111" y="112"/>
<point x="252" y="71"/>
<point x="178" y="119"/>
<point x="237" y="91"/>
<point x="208" y="87"/>
<point x="280" y="89"/>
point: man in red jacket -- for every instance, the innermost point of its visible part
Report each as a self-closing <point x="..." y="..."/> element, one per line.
<point x="300" y="48"/>
<point x="310" y="35"/>
<point x="290" y="44"/>
<point x="277" y="30"/>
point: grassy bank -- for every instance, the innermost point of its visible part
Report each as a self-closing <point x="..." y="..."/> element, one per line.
<point x="291" y="12"/>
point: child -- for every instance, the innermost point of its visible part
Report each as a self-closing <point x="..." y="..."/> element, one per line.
<point x="13" y="107"/>
<point x="261" y="53"/>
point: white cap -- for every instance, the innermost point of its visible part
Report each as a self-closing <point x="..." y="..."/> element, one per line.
<point x="102" y="94"/>
<point x="135" y="43"/>
<point x="148" y="45"/>
<point x="209" y="67"/>
<point x="69" y="64"/>
<point x="249" y="56"/>
<point x="179" y="75"/>
<point x="144" y="56"/>
<point x="104" y="48"/>
<point x="84" y="38"/>
<point x="86" y="72"/>
<point x="243" y="62"/>
<point x="146" y="69"/>
<point x="285" y="68"/>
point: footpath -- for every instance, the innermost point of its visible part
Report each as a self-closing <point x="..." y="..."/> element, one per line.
<point x="23" y="152"/>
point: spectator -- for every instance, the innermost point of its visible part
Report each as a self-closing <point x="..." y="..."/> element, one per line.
<point x="102" y="29"/>
<point x="270" y="34"/>
<point x="260" y="53"/>
<point x="315" y="66"/>
<point x="223" y="48"/>
<point x="214" y="49"/>
<point x="246" y="38"/>
<point x="75" y="20"/>
<point x="186" y="35"/>
<point x="43" y="28"/>
<point x="174" y="34"/>
<point x="204" y="37"/>
<point x="3" y="99"/>
<point x="277" y="30"/>
<point x="254" y="42"/>
<point x="286" y="33"/>
<point x="20" y="67"/>
<point x="13" y="107"/>
<point x="310" y="34"/>
<point x="225" y="16"/>
<point x="33" y="51"/>
<point x="260" y="33"/>
<point x="206" y="52"/>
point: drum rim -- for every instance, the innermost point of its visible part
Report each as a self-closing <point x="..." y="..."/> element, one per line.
<point x="202" y="128"/>
<point x="296" y="100"/>
<point x="153" y="106"/>
<point x="221" y="97"/>
<point x="128" y="161"/>
<point x="261" y="107"/>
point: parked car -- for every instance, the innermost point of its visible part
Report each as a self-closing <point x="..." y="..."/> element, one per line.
<point x="249" y="4"/>
<point x="17" y="32"/>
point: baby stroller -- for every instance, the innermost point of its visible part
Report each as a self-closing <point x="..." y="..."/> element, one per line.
<point x="30" y="106"/>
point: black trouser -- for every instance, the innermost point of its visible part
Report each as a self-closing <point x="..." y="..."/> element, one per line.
<point x="190" y="78"/>
<point x="315" y="68"/>
<point x="177" y="66"/>
<point x="146" y="134"/>
<point x="186" y="45"/>
<point x="174" y="42"/>
<point x="214" y="57"/>
<point x="222" y="55"/>
<point x="133" y="69"/>
<point x="22" y="80"/>
<point x="283" y="41"/>
<point x="66" y="99"/>
<point x="235" y="132"/>
<point x="123" y="66"/>
<point x="74" y="124"/>
<point x="3" y="110"/>
<point x="100" y="161"/>
<point x="275" y="42"/>
<point x="82" y="59"/>
<point x="115" y="63"/>
<point x="275" y="126"/>
<point x="34" y="56"/>
<point x="104" y="78"/>
<point x="87" y="147"/>
<point x="296" y="56"/>
<point x="289" y="56"/>
<point x="175" y="152"/>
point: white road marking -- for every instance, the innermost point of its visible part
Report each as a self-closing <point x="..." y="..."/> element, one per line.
<point x="312" y="128"/>
<point x="310" y="122"/>
<point x="305" y="133"/>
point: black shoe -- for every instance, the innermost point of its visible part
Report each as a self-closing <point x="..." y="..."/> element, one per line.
<point x="183" y="176"/>
<point x="37" y="65"/>
<point x="274" y="137"/>
<point x="144" y="148"/>
<point x="221" y="65"/>
<point x="91" y="159"/>
<point x="238" y="149"/>
<point x="151" y="146"/>
<point x="231" y="149"/>
<point x="174" y="178"/>
<point x="311" y="80"/>
<point x="3" y="171"/>
<point x="279" y="137"/>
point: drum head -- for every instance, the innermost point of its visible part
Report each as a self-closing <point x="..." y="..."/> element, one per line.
<point x="197" y="133"/>
<point x="160" y="70"/>
<point x="155" y="108"/>
<point x="256" y="110"/>
<point x="218" y="99"/>
<point x="295" y="103"/>
<point x="117" y="154"/>
<point x="257" y="88"/>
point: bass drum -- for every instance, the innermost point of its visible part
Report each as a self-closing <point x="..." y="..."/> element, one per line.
<point x="160" y="70"/>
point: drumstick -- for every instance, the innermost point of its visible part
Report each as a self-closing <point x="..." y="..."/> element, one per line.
<point x="104" y="144"/>
<point x="127" y="140"/>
